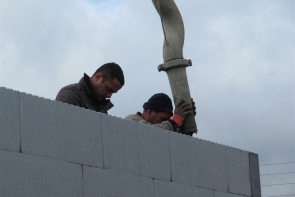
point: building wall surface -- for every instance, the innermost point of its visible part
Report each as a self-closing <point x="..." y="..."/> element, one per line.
<point x="49" y="148"/>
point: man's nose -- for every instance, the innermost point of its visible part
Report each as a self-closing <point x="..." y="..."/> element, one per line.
<point x="109" y="95"/>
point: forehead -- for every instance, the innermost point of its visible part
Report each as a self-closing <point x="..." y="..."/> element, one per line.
<point x="163" y="115"/>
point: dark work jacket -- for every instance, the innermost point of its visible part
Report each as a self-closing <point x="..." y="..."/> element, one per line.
<point x="81" y="94"/>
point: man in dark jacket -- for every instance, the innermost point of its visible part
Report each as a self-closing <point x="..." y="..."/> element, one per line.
<point x="94" y="92"/>
<point x="158" y="111"/>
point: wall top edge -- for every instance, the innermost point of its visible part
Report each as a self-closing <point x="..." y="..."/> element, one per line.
<point x="172" y="133"/>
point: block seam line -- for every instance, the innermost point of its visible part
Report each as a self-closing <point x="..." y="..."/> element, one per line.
<point x="82" y="180"/>
<point x="102" y="135"/>
<point x="154" y="187"/>
<point x="46" y="157"/>
<point x="137" y="152"/>
<point x="191" y="185"/>
<point x="229" y="193"/>
<point x="170" y="157"/>
<point x="20" y="124"/>
<point x="249" y="173"/>
<point x="227" y="170"/>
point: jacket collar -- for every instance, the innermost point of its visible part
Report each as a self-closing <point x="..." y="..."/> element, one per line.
<point x="86" y="85"/>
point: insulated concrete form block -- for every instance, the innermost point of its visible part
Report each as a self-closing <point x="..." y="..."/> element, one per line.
<point x="238" y="171"/>
<point x="182" y="162"/>
<point x="102" y="182"/>
<point x="60" y="131"/>
<point x="31" y="176"/>
<point x="147" y="186"/>
<point x="222" y="194"/>
<point x="198" y="162"/>
<point x="168" y="189"/>
<point x="254" y="175"/>
<point x="9" y="120"/>
<point x="120" y="144"/>
<point x="154" y="152"/>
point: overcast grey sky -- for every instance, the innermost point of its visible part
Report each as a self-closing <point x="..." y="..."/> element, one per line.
<point x="242" y="78"/>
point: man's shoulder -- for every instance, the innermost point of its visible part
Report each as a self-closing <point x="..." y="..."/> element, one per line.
<point x="70" y="94"/>
<point x="134" y="117"/>
<point x="74" y="86"/>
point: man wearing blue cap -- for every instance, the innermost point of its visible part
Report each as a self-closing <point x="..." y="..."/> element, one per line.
<point x="158" y="111"/>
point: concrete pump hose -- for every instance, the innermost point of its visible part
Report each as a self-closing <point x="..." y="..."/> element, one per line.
<point x="173" y="29"/>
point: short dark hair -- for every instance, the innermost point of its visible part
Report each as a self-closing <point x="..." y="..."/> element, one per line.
<point x="111" y="71"/>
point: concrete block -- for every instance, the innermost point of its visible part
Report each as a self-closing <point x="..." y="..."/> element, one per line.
<point x="147" y="186"/>
<point x="120" y="144"/>
<point x="154" y="152"/>
<point x="182" y="162"/>
<point x="168" y="189"/>
<point x="223" y="194"/>
<point x="31" y="176"/>
<point x="254" y="175"/>
<point x="198" y="162"/>
<point x="102" y="182"/>
<point x="9" y="120"/>
<point x="211" y="166"/>
<point x="238" y="171"/>
<point x="60" y="131"/>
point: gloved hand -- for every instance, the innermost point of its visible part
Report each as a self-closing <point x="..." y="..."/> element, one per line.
<point x="182" y="110"/>
<point x="194" y="107"/>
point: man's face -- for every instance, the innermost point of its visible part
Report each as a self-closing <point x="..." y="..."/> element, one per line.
<point x="104" y="89"/>
<point x="158" y="117"/>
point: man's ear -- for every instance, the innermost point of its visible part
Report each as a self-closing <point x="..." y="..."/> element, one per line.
<point x="149" y="112"/>
<point x="147" y="115"/>
<point x="97" y="76"/>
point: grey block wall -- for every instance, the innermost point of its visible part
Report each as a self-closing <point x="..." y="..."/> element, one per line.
<point x="60" y="131"/>
<point x="198" y="162"/>
<point x="238" y="172"/>
<point x="9" y="120"/>
<point x="48" y="148"/>
<point x="27" y="175"/>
